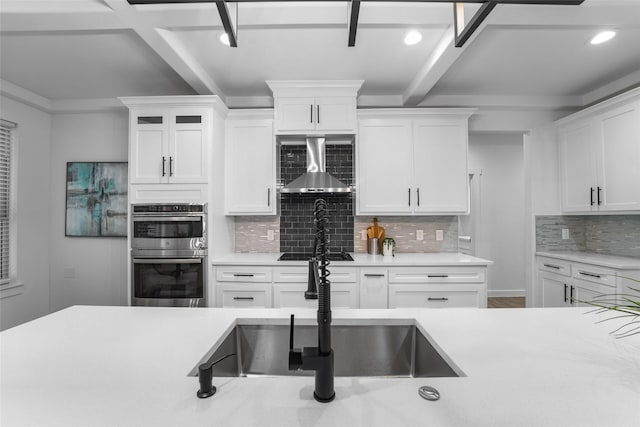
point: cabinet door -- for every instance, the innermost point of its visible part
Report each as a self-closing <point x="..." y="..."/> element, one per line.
<point x="336" y="114"/>
<point x="294" y="114"/>
<point x="249" y="160"/>
<point x="373" y="288"/>
<point x="188" y="147"/>
<point x="292" y="295"/>
<point x="148" y="159"/>
<point x="384" y="167"/>
<point x="440" y="177"/>
<point x="431" y="296"/>
<point x="555" y="290"/>
<point x="577" y="168"/>
<point x="618" y="152"/>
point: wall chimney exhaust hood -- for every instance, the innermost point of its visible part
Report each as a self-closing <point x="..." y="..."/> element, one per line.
<point x="316" y="179"/>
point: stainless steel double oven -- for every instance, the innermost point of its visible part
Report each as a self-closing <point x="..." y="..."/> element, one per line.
<point x="169" y="255"/>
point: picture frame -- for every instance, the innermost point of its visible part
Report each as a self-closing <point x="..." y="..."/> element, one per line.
<point x="96" y="199"/>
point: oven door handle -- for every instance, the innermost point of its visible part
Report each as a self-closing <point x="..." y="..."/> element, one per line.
<point x="189" y="218"/>
<point x="167" y="261"/>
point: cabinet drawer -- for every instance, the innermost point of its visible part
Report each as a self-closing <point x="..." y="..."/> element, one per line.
<point x="437" y="275"/>
<point x="300" y="274"/>
<point x="435" y="297"/>
<point x="554" y="266"/>
<point x="292" y="295"/>
<point x="250" y="297"/>
<point x="591" y="273"/>
<point x="243" y="274"/>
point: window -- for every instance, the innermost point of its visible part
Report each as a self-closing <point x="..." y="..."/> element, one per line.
<point x="6" y="150"/>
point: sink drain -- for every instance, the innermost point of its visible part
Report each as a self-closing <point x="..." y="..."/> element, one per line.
<point x="428" y="393"/>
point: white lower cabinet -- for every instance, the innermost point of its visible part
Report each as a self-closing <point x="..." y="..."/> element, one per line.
<point x="437" y="287"/>
<point x="290" y="284"/>
<point x="563" y="283"/>
<point x="243" y="295"/>
<point x="436" y="296"/>
<point x="373" y="287"/>
<point x="351" y="287"/>
<point x="243" y="286"/>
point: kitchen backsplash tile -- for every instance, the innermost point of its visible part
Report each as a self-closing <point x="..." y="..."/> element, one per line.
<point x="403" y="231"/>
<point x="296" y="210"/>
<point x="251" y="234"/>
<point x="606" y="234"/>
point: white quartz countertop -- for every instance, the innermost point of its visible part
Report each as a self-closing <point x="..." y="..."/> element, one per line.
<point x="612" y="261"/>
<point x="127" y="366"/>
<point x="359" y="259"/>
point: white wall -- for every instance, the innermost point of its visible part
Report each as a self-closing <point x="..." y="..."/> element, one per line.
<point x="500" y="157"/>
<point x="98" y="264"/>
<point x="33" y="180"/>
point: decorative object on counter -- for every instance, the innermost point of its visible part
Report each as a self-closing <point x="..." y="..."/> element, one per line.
<point x="388" y="247"/>
<point x="626" y="304"/>
<point x="375" y="232"/>
<point x="96" y="200"/>
<point x="374" y="245"/>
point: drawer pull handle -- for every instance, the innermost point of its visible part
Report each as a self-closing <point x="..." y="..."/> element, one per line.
<point x="437" y="275"/>
<point x="552" y="266"/>
<point x="373" y="275"/>
<point x="597" y="276"/>
<point x="243" y="298"/>
<point x="438" y="299"/>
<point x="242" y="274"/>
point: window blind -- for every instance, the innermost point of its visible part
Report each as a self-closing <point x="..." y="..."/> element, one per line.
<point x="6" y="146"/>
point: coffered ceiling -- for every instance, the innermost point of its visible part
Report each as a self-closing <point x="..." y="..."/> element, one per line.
<point x="65" y="54"/>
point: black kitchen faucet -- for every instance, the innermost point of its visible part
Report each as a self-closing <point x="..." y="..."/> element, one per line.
<point x="320" y="358"/>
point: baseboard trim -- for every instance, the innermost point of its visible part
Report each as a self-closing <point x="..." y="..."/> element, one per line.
<point x="507" y="293"/>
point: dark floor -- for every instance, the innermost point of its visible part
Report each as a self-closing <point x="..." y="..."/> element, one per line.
<point x="506" y="302"/>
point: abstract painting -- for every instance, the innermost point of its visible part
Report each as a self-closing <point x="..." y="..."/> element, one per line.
<point x="96" y="199"/>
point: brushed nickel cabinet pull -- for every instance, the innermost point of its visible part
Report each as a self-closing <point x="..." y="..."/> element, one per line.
<point x="438" y="299"/>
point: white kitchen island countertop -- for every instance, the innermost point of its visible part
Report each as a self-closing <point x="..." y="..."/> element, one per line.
<point x="360" y="260"/>
<point x="127" y="366"/>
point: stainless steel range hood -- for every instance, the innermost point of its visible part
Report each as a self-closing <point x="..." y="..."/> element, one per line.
<point x="316" y="180"/>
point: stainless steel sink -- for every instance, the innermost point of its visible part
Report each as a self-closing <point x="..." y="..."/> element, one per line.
<point x="361" y="350"/>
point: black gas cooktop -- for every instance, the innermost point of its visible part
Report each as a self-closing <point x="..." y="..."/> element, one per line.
<point x="305" y="256"/>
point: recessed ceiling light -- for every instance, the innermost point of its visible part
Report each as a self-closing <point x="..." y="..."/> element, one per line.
<point x="412" y="37"/>
<point x="224" y="39"/>
<point x="603" y="37"/>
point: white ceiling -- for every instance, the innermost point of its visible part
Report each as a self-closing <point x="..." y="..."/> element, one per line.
<point x="61" y="53"/>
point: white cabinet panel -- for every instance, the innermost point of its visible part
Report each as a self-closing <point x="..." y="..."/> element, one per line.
<point x="619" y="150"/>
<point x="250" y="168"/>
<point x="295" y="114"/>
<point x="432" y="296"/>
<point x="336" y="114"/>
<point x="577" y="168"/>
<point x="384" y="156"/>
<point x="373" y="288"/>
<point x="555" y="290"/>
<point x="249" y="295"/>
<point x="440" y="166"/>
<point x="292" y="295"/>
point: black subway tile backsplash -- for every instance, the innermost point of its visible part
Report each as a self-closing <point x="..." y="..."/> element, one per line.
<point x="296" y="210"/>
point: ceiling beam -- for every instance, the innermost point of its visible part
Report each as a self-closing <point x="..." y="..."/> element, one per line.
<point x="164" y="43"/>
<point x="226" y="22"/>
<point x="353" y="22"/>
<point x="462" y="31"/>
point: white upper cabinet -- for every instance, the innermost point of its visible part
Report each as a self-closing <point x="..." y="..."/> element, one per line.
<point x="315" y="107"/>
<point x="169" y="139"/>
<point x="412" y="162"/>
<point x="250" y="164"/>
<point x="440" y="165"/>
<point x="599" y="152"/>
<point x="384" y="155"/>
